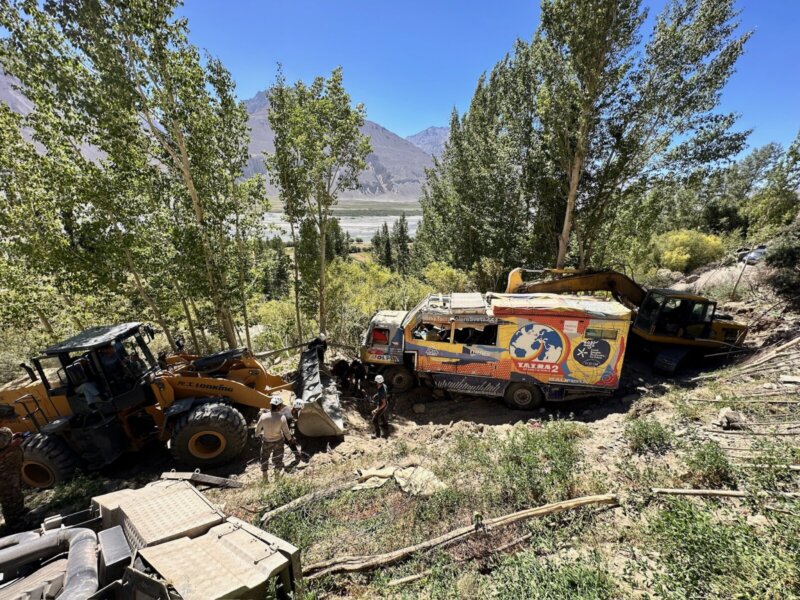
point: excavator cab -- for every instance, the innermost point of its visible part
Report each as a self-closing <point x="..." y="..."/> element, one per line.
<point x="667" y="314"/>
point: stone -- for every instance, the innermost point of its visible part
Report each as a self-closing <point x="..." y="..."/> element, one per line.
<point x="730" y="419"/>
<point x="418" y="408"/>
<point x="587" y="412"/>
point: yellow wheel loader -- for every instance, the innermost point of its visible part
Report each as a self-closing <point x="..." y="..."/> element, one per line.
<point x="91" y="398"/>
<point x="673" y="323"/>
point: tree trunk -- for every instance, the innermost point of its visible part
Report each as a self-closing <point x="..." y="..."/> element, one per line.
<point x="572" y="195"/>
<point x="195" y="343"/>
<point x="322" y="310"/>
<point x="199" y="326"/>
<point x="46" y="323"/>
<point x="242" y="286"/>
<point x="296" y="285"/>
<point x="149" y="301"/>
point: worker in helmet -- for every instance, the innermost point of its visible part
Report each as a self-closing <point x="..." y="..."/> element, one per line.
<point x="12" y="501"/>
<point x="273" y="430"/>
<point x="380" y="419"/>
<point x="292" y="414"/>
<point x="320" y="343"/>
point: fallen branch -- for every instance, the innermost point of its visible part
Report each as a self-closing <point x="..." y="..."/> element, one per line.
<point x="306" y="499"/>
<point x="426" y="572"/>
<point x="759" y="433"/>
<point x="718" y="493"/>
<point x="369" y="562"/>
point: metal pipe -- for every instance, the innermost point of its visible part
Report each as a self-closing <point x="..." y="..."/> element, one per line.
<point x="81" y="580"/>
<point x="18" y="538"/>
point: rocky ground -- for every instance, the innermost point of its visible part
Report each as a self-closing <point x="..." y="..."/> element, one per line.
<point x="729" y="425"/>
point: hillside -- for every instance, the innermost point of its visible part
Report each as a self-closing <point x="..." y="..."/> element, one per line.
<point x="396" y="168"/>
<point x="432" y="140"/>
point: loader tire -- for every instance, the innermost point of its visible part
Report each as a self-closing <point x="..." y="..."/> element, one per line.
<point x="47" y="460"/>
<point x="209" y="435"/>
<point x="524" y="396"/>
<point x="399" y="379"/>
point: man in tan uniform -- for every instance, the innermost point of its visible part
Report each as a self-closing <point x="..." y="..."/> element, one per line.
<point x="11" y="499"/>
<point x="273" y="430"/>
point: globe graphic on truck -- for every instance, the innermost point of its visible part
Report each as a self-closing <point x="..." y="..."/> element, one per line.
<point x="535" y="342"/>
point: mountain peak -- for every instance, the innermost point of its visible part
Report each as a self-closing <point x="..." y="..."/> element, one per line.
<point x="432" y="140"/>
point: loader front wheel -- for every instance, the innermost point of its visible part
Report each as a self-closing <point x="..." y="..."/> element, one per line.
<point x="209" y="435"/>
<point x="524" y="396"/>
<point x="47" y="460"/>
<point x="399" y="379"/>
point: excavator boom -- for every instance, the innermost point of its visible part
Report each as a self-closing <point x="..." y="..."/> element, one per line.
<point x="622" y="288"/>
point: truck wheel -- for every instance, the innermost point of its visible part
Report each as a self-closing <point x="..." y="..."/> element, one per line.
<point x="524" y="396"/>
<point x="209" y="435"/>
<point x="399" y="379"/>
<point x="47" y="460"/>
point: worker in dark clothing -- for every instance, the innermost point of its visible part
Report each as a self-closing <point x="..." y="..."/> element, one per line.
<point x="12" y="501"/>
<point x="380" y="419"/>
<point x="358" y="375"/>
<point x="321" y="345"/>
<point x="113" y="368"/>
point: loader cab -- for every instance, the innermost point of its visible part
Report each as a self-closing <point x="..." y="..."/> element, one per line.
<point x="97" y="366"/>
<point x="665" y="313"/>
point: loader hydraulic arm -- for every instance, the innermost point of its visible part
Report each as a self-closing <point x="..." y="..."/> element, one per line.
<point x="622" y="288"/>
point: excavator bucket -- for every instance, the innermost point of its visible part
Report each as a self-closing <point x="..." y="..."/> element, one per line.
<point x="321" y="415"/>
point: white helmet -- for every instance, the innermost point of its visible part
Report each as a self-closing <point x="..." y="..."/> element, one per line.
<point x="275" y="400"/>
<point x="298" y="404"/>
<point x="322" y="336"/>
<point x="378" y="378"/>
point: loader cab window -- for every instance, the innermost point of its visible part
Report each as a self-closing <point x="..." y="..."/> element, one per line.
<point x="380" y="336"/>
<point x="475" y="334"/>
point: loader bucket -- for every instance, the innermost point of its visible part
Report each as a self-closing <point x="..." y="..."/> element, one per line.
<point x="321" y="416"/>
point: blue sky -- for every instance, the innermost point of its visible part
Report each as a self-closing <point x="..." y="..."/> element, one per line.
<point x="411" y="61"/>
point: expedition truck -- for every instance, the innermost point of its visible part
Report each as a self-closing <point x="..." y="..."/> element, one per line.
<point x="523" y="347"/>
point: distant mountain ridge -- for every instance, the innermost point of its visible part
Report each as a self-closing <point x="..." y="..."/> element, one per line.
<point x="432" y="140"/>
<point x="396" y="166"/>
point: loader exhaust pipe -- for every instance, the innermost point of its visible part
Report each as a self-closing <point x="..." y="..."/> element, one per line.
<point x="81" y="580"/>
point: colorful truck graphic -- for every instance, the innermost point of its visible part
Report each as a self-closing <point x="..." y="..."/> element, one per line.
<point x="524" y="347"/>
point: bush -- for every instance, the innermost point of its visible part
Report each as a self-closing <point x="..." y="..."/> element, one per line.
<point x="702" y="557"/>
<point x="784" y="258"/>
<point x="685" y="250"/>
<point x="709" y="467"/>
<point x="648" y="435"/>
<point x="446" y="279"/>
<point x="535" y="466"/>
<point x="525" y="575"/>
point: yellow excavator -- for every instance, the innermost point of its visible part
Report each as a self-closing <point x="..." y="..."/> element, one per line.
<point x="91" y="398"/>
<point x="673" y="323"/>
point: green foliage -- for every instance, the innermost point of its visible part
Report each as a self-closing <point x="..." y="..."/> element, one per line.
<point x="709" y="467"/>
<point x="356" y="291"/>
<point x="570" y="132"/>
<point x="276" y="269"/>
<point x="539" y="466"/>
<point x="319" y="153"/>
<point x="525" y="575"/>
<point x="439" y="506"/>
<point x="446" y="279"/>
<point x="703" y="557"/>
<point x="783" y="257"/>
<point x="648" y="435"/>
<point x="685" y="250"/>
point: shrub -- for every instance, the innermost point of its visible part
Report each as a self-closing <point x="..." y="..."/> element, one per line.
<point x="525" y="575"/>
<point x="539" y="465"/>
<point x="648" y="435"/>
<point x="439" y="506"/>
<point x="703" y="557"/>
<point x="685" y="250"/>
<point x="446" y="279"/>
<point x="709" y="467"/>
<point x="784" y="257"/>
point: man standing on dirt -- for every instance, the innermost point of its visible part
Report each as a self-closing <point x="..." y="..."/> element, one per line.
<point x="273" y="430"/>
<point x="380" y="420"/>
<point x="291" y="415"/>
<point x="11" y="498"/>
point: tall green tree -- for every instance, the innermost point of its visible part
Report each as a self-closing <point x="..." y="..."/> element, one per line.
<point x="400" y="245"/>
<point x="319" y="153"/>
